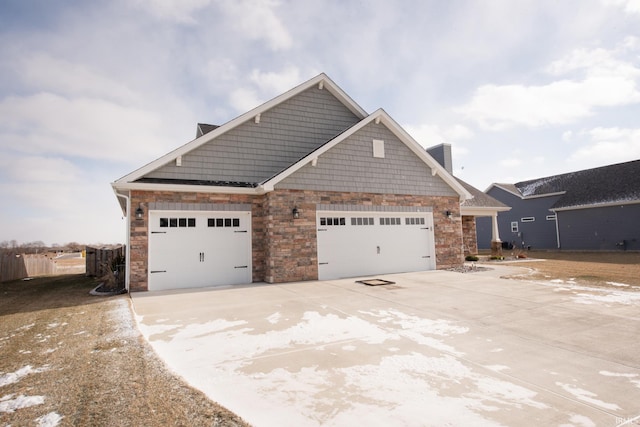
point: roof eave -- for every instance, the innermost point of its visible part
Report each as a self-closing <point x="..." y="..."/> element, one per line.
<point x="596" y="205"/>
<point x="186" y="188"/>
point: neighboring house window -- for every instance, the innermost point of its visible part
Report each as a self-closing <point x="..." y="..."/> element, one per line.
<point x="514" y="226"/>
<point x="551" y="217"/>
<point x="528" y="219"/>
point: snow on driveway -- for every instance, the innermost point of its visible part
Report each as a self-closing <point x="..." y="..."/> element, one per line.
<point x="276" y="358"/>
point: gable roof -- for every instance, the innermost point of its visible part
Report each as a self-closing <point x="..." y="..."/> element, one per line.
<point x="617" y="183"/>
<point x="379" y="116"/>
<point x="139" y="180"/>
<point x="323" y="82"/>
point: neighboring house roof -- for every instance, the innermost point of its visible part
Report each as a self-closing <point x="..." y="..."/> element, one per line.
<point x="248" y="173"/>
<point x="613" y="184"/>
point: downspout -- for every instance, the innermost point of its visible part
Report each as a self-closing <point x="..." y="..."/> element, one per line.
<point x="127" y="263"/>
<point x="557" y="229"/>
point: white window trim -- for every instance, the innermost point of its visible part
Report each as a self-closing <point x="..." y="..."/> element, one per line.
<point x="528" y="219"/>
<point x="514" y="226"/>
<point x="378" y="148"/>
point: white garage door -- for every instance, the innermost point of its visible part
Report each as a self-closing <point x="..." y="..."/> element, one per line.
<point x="369" y="243"/>
<point x="190" y="249"/>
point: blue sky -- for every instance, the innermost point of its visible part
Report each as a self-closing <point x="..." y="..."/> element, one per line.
<point x="90" y="91"/>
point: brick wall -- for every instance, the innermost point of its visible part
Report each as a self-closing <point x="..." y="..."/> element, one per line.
<point x="283" y="248"/>
<point x="469" y="235"/>
<point x="139" y="229"/>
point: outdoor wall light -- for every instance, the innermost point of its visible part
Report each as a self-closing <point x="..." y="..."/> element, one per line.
<point x="449" y="214"/>
<point x="296" y="213"/>
<point x="139" y="212"/>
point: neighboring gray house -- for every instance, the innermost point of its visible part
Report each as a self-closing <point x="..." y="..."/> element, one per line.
<point x="594" y="209"/>
<point x="306" y="186"/>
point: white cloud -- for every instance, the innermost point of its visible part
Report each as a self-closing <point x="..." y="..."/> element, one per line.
<point x="244" y="99"/>
<point x="429" y="135"/>
<point x="629" y="6"/>
<point x="277" y="82"/>
<point x="81" y="127"/>
<point x="180" y="11"/>
<point x="511" y="162"/>
<point x="258" y="20"/>
<point x="606" y="82"/>
<point x="607" y="146"/>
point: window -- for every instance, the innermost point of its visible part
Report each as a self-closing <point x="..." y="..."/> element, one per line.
<point x="551" y="217"/>
<point x="390" y="221"/>
<point x="361" y="221"/>
<point x="528" y="219"/>
<point x="177" y="222"/>
<point x="333" y="221"/>
<point x="414" y="221"/>
<point x="514" y="226"/>
<point x="223" y="222"/>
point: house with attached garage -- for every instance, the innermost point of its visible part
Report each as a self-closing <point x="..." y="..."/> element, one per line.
<point x="307" y="186"/>
<point x="592" y="210"/>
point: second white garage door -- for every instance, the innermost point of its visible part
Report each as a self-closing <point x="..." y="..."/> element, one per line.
<point x="370" y="243"/>
<point x="190" y="249"/>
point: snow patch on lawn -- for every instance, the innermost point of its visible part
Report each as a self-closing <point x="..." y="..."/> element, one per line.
<point x="52" y="419"/>
<point x="592" y="295"/>
<point x="9" y="404"/>
<point x="14" y="377"/>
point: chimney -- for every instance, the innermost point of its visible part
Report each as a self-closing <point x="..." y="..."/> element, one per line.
<point x="442" y="154"/>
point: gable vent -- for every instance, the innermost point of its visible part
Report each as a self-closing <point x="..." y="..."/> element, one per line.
<point x="378" y="148"/>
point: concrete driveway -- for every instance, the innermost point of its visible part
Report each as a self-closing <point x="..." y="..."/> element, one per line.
<point x="436" y="348"/>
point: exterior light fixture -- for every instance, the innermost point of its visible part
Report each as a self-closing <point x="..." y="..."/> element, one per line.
<point x="449" y="214"/>
<point x="296" y="213"/>
<point x="139" y="212"/>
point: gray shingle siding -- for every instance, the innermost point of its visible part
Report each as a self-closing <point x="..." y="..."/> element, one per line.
<point x="254" y="152"/>
<point x="351" y="167"/>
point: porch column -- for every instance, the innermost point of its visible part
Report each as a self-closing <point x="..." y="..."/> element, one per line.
<point x="496" y="243"/>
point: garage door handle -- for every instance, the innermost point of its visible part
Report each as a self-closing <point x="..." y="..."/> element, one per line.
<point x="158" y="271"/>
<point x="323" y="263"/>
<point x="322" y="229"/>
<point x="158" y="232"/>
<point x="240" y="266"/>
<point x="427" y="256"/>
<point x="201" y="256"/>
<point x="240" y="231"/>
<point x="424" y="228"/>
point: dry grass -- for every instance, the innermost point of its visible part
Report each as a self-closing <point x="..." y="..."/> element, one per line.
<point x="585" y="267"/>
<point x="92" y="366"/>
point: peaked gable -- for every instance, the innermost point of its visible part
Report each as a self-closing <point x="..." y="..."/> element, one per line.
<point x="415" y="159"/>
<point x="320" y="82"/>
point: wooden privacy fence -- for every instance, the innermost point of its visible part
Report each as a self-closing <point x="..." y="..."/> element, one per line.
<point x="15" y="266"/>
<point x="101" y="260"/>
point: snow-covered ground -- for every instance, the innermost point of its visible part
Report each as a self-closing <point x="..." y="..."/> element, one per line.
<point x="341" y="355"/>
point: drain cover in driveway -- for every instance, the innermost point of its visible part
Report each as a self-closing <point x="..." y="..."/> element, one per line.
<point x="375" y="282"/>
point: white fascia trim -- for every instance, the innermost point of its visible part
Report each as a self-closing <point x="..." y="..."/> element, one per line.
<point x="597" y="205"/>
<point x="482" y="211"/>
<point x="328" y="84"/>
<point x="146" y="186"/>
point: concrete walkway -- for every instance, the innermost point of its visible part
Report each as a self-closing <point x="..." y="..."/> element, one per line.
<point x="435" y="348"/>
